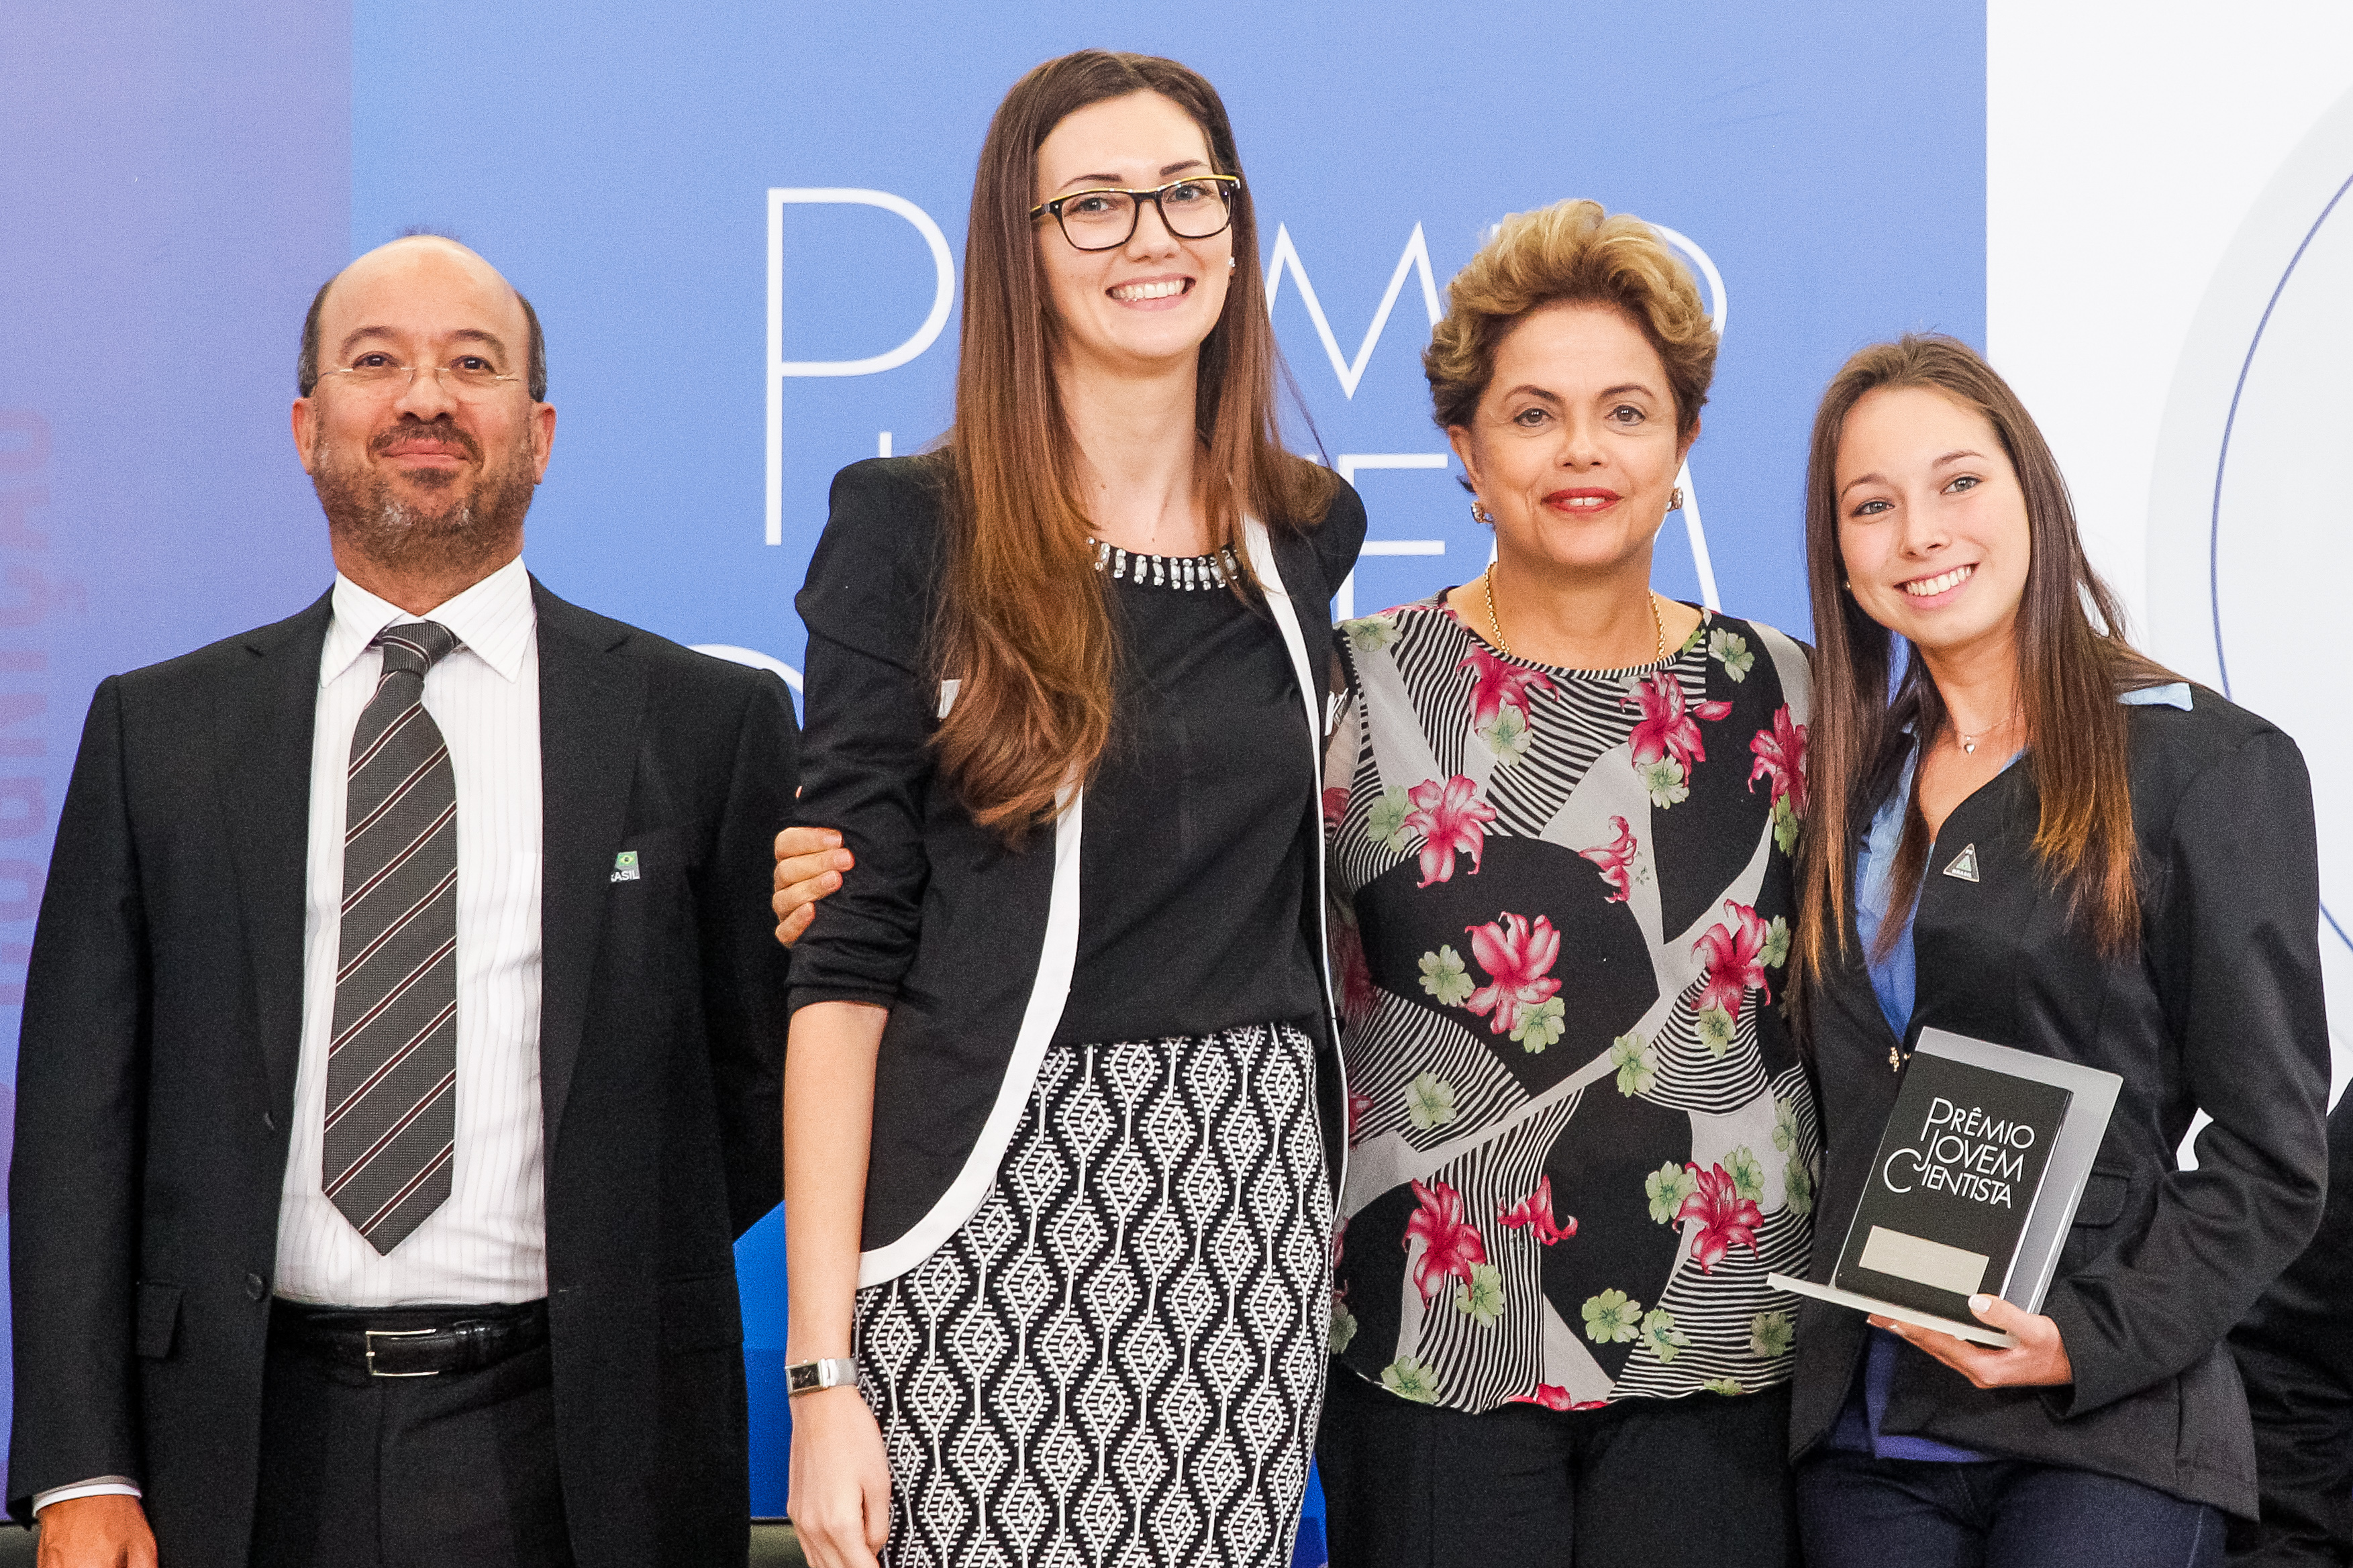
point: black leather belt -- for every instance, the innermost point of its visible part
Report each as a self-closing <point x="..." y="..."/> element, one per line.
<point x="410" y="1341"/>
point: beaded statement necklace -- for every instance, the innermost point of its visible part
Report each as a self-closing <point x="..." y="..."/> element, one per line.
<point x="1187" y="573"/>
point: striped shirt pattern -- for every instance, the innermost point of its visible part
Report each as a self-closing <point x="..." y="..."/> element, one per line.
<point x="487" y="1241"/>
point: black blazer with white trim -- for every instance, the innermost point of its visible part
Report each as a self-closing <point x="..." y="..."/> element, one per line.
<point x="993" y="930"/>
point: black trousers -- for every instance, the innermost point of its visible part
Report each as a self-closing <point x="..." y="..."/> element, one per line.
<point x="411" y="1472"/>
<point x="1700" y="1482"/>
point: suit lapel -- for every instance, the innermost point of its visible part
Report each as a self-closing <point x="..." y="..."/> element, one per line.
<point x="590" y="703"/>
<point x="265" y="725"/>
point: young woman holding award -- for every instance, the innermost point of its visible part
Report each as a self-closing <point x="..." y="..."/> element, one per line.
<point x="1057" y="1202"/>
<point x="2030" y="834"/>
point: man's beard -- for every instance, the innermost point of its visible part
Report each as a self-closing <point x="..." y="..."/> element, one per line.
<point x="479" y="524"/>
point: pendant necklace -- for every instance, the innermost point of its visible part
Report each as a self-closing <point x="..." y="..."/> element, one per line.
<point x="1496" y="626"/>
<point x="1969" y="743"/>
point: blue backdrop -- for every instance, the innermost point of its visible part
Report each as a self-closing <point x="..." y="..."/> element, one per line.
<point x="695" y="197"/>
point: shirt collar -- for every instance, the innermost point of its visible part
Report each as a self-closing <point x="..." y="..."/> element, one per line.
<point x="1875" y="862"/>
<point x="495" y="619"/>
<point x="2175" y="695"/>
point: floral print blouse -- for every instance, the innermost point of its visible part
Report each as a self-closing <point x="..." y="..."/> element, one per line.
<point x="1579" y="1132"/>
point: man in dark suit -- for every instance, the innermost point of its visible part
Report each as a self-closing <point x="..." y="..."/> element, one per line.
<point x="403" y="1038"/>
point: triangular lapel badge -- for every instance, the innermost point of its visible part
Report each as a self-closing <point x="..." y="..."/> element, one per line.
<point x="1965" y="864"/>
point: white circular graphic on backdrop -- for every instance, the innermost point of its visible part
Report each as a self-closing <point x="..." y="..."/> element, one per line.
<point x="2251" y="515"/>
<point x="2281" y="546"/>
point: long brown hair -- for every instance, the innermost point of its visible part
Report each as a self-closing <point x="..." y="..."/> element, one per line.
<point x="2069" y="672"/>
<point x="1023" y="625"/>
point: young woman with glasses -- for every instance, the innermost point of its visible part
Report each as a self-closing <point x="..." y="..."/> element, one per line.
<point x="1057" y="1199"/>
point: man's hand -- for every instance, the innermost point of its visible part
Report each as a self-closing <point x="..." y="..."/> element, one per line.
<point x="809" y="864"/>
<point x="2039" y="1359"/>
<point x="840" y="1479"/>
<point x="105" y="1532"/>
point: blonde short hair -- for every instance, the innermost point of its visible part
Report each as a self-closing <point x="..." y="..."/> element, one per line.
<point x="1572" y="252"/>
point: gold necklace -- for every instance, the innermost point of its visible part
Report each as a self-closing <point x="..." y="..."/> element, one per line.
<point x="1969" y="743"/>
<point x="1488" y="577"/>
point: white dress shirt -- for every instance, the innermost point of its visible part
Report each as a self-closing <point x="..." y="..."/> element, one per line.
<point x="488" y="1241"/>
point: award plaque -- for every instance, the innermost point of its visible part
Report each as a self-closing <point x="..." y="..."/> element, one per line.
<point x="1974" y="1186"/>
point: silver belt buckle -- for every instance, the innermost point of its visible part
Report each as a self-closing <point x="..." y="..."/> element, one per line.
<point x="376" y="1335"/>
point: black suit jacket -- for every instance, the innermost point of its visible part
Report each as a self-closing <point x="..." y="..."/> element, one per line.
<point x="156" y="1078"/>
<point x="2297" y="1361"/>
<point x="2221" y="1010"/>
<point x="944" y="925"/>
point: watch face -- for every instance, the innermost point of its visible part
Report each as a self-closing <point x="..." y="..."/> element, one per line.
<point x="808" y="1376"/>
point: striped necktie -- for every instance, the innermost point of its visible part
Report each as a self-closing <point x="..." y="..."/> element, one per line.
<point x="392" y="1064"/>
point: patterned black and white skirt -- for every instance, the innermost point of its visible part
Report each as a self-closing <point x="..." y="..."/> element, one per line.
<point x="1119" y="1359"/>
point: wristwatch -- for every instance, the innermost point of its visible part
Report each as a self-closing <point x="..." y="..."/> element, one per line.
<point x="808" y="1376"/>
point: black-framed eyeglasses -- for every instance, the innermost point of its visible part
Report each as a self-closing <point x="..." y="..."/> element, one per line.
<point x="1195" y="208"/>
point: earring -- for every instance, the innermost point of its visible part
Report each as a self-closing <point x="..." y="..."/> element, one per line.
<point x="1230" y="264"/>
<point x="1675" y="500"/>
<point x="1481" y="514"/>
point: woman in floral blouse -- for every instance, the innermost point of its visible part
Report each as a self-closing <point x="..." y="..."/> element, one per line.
<point x="1563" y="811"/>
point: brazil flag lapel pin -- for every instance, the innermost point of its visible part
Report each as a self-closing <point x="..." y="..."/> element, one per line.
<point x="624" y="866"/>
